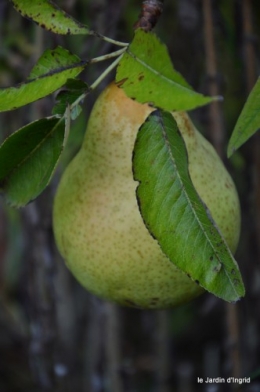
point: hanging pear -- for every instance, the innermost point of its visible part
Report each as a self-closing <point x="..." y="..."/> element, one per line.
<point x="97" y="224"/>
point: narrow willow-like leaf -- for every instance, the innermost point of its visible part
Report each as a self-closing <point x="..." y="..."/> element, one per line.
<point x="49" y="74"/>
<point x="28" y="159"/>
<point x="146" y="70"/>
<point x="174" y="213"/>
<point x="248" y="122"/>
<point x="49" y="16"/>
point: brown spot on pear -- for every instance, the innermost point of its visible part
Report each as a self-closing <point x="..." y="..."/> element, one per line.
<point x="97" y="223"/>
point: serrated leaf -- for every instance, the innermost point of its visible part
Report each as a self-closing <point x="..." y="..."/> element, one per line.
<point x="70" y="93"/>
<point x="248" y="122"/>
<point x="28" y="158"/>
<point x="49" y="16"/>
<point x="49" y="74"/>
<point x="174" y="213"/>
<point x="146" y="73"/>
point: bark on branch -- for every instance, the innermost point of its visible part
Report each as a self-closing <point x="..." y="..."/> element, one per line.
<point x="151" y="11"/>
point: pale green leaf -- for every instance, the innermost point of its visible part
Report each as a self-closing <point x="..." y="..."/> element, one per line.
<point x="49" y="74"/>
<point x="146" y="73"/>
<point x="49" y="16"/>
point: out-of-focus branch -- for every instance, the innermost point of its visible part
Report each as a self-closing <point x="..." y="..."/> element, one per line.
<point x="251" y="75"/>
<point x="41" y="297"/>
<point x="233" y="339"/>
<point x="94" y="345"/>
<point x="163" y="352"/>
<point x="215" y="112"/>
<point x="150" y="14"/>
<point x="41" y="274"/>
<point x="249" y="49"/>
<point x="113" y="348"/>
<point x="217" y="137"/>
<point x="250" y="67"/>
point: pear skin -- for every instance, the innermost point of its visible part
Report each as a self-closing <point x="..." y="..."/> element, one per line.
<point x="97" y="224"/>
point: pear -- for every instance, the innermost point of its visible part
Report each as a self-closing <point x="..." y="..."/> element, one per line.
<point x="97" y="224"/>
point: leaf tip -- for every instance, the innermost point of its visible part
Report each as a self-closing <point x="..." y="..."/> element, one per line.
<point x="230" y="151"/>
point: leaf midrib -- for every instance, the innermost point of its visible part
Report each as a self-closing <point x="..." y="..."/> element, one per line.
<point x="194" y="212"/>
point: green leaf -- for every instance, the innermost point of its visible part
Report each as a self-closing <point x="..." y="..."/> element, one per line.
<point x="28" y="158"/>
<point x="70" y="93"/>
<point x="49" y="74"/>
<point x="174" y="213"/>
<point x="248" y="122"/>
<point x="49" y="16"/>
<point x="146" y="73"/>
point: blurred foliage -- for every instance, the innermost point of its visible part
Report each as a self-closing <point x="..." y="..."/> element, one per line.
<point x="54" y="336"/>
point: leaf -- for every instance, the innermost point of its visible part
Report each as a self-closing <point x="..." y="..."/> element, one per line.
<point x="49" y="16"/>
<point x="28" y="159"/>
<point x="146" y="73"/>
<point x="70" y="93"/>
<point x="174" y="213"/>
<point x="49" y="74"/>
<point x="248" y="122"/>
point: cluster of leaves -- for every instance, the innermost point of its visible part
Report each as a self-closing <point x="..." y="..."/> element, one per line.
<point x="29" y="156"/>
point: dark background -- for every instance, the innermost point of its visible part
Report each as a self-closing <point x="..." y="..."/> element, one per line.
<point x="54" y="336"/>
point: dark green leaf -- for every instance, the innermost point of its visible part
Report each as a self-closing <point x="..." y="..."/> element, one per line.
<point x="248" y="122"/>
<point x="71" y="92"/>
<point x="49" y="16"/>
<point x="49" y="74"/>
<point x="146" y="73"/>
<point x="174" y="213"/>
<point x="28" y="158"/>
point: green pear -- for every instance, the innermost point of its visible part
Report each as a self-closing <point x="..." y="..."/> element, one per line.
<point x="97" y="224"/>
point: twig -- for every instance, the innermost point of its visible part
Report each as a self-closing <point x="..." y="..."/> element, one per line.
<point x="148" y="18"/>
<point x="105" y="73"/>
<point x="97" y="81"/>
<point x="107" y="39"/>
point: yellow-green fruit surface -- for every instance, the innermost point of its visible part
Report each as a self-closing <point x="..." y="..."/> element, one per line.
<point x="97" y="224"/>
